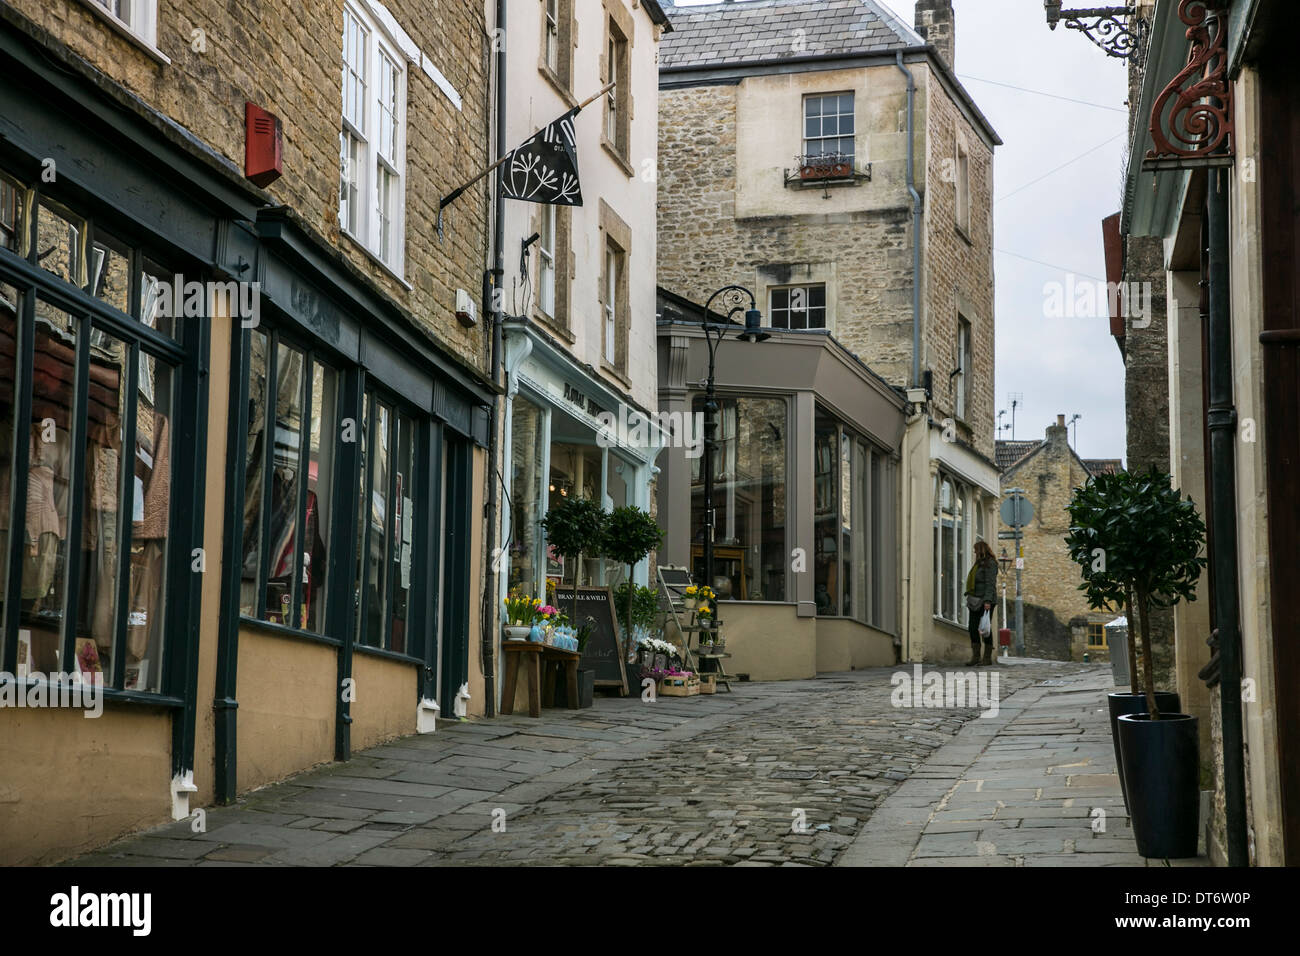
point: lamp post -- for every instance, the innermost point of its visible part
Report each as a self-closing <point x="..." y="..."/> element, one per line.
<point x="733" y="299"/>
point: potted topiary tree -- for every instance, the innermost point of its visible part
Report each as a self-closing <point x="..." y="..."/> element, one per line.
<point x="630" y="535"/>
<point x="1138" y="542"/>
<point x="574" y="527"/>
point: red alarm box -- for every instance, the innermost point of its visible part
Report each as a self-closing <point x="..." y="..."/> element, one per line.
<point x="263" y="145"/>
<point x="1004" y="636"/>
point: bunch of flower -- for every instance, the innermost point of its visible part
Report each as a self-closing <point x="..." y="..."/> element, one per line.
<point x="658" y="673"/>
<point x="701" y="592"/>
<point x="549" y="614"/>
<point x="658" y="646"/>
<point x="522" y="609"/>
<point x="704" y="612"/>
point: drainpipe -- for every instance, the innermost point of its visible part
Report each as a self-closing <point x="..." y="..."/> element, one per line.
<point x="491" y="287"/>
<point x="1222" y="418"/>
<point x="917" y="213"/>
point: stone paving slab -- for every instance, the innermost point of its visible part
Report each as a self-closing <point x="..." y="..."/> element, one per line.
<point x="1038" y="788"/>
<point x="799" y="773"/>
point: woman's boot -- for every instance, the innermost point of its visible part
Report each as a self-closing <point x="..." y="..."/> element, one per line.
<point x="974" y="654"/>
<point x="988" y="653"/>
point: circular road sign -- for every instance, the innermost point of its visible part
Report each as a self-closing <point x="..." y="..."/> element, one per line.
<point x="1017" y="510"/>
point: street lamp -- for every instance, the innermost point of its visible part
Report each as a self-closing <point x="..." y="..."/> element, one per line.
<point x="733" y="300"/>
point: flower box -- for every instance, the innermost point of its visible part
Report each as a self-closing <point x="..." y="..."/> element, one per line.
<point x="708" y="683"/>
<point x="687" y="686"/>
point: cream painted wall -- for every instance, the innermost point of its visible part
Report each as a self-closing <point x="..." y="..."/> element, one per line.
<point x="768" y="642"/>
<point x="1187" y="463"/>
<point x="69" y="783"/>
<point x="845" y="645"/>
<point x="769" y="137"/>
<point x="1247" y="269"/>
<point x="386" y="699"/>
<point x="286" y="690"/>
<point x="534" y="102"/>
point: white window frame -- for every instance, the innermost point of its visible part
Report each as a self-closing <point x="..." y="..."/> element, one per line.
<point x="790" y="310"/>
<point x="611" y="304"/>
<point x="551" y="45"/>
<point x="546" y="277"/>
<point x="961" y="211"/>
<point x="811" y="142"/>
<point x="378" y="51"/>
<point x="611" y="76"/>
<point x="964" y="359"/>
<point x="141" y="20"/>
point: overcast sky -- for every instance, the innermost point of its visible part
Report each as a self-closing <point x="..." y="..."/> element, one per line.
<point x="1046" y="213"/>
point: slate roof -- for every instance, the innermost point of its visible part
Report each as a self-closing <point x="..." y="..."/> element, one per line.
<point x="1007" y="453"/>
<point x="760" y="31"/>
<point x="1103" y="466"/>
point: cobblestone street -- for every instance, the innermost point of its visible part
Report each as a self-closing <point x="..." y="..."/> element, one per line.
<point x="727" y="779"/>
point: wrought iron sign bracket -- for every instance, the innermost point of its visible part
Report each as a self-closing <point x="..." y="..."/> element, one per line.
<point x="1118" y="31"/>
<point x="1192" y="124"/>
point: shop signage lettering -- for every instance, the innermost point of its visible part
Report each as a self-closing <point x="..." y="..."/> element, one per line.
<point x="575" y="397"/>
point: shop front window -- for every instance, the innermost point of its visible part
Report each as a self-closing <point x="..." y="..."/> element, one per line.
<point x="852" y="524"/>
<point x="527" y="444"/>
<point x="750" y="556"/>
<point x="386" y="538"/>
<point x="953" y="542"/>
<point x="83" y="572"/>
<point x="288" y="484"/>
<point x="576" y="471"/>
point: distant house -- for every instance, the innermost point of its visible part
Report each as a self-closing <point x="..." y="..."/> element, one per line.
<point x="1059" y="625"/>
<point x="824" y="155"/>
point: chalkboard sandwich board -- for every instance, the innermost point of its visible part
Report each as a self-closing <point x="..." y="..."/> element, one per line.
<point x="603" y="653"/>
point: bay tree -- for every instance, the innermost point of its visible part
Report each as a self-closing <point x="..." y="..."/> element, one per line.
<point x="1138" y="542"/>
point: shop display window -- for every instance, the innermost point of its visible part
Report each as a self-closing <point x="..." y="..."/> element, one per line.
<point x="750" y="557"/>
<point x="85" y="582"/>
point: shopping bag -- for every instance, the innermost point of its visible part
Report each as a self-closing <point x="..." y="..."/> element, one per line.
<point x="986" y="625"/>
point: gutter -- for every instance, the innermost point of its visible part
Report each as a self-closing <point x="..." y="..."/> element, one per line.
<point x="491" y="285"/>
<point x="918" y="212"/>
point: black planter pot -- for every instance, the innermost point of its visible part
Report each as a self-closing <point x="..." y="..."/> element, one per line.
<point x="1161" y="763"/>
<point x="586" y="688"/>
<point x="1119" y="704"/>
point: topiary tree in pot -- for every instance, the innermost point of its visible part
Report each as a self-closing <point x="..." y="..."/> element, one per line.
<point x="631" y="534"/>
<point x="574" y="527"/>
<point x="1138" y="543"/>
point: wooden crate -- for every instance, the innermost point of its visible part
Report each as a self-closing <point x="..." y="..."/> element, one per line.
<point x="679" y="686"/>
<point x="708" y="683"/>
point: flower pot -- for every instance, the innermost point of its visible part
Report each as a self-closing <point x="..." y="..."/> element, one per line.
<point x="1119" y="704"/>
<point x="690" y="604"/>
<point x="1162" y="768"/>
<point x="517" y="632"/>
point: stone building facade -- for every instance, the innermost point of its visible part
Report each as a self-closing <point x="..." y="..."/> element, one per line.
<point x="303" y="565"/>
<point x="1059" y="625"/>
<point x="753" y="97"/>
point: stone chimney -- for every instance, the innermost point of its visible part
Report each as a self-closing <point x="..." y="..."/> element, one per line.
<point x="936" y="24"/>
<point x="1058" y="434"/>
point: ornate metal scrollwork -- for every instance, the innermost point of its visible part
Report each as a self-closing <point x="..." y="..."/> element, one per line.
<point x="1192" y="118"/>
<point x="1117" y="31"/>
<point x="1115" y="36"/>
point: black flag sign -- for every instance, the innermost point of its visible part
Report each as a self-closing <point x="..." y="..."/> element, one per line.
<point x="545" y="168"/>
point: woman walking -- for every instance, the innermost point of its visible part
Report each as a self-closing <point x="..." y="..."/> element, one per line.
<point x="981" y="593"/>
